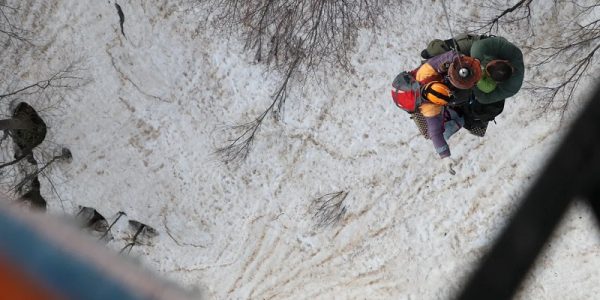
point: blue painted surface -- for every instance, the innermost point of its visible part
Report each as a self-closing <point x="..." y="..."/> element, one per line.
<point x="54" y="267"/>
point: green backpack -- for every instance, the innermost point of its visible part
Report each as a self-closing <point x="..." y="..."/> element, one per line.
<point x="461" y="42"/>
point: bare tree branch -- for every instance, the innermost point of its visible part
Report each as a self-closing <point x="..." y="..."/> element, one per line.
<point x="34" y="197"/>
<point x="105" y="234"/>
<point x="9" y="29"/>
<point x="328" y="209"/>
<point x="25" y="127"/>
<point x="27" y="130"/>
<point x="14" y="161"/>
<point x="64" y="78"/>
<point x="53" y="188"/>
<point x="568" y="86"/>
<point x="143" y="234"/>
<point x="64" y="156"/>
<point x="294" y="38"/>
<point x="519" y="12"/>
<point x="238" y="149"/>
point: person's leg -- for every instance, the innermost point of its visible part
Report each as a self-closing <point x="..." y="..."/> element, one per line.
<point x="453" y="122"/>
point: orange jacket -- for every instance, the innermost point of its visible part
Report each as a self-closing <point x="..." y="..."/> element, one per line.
<point x="424" y="74"/>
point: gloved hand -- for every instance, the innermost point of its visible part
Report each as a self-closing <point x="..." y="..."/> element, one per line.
<point x="444" y="67"/>
<point x="449" y="164"/>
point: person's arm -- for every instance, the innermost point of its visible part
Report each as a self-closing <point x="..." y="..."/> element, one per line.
<point x="441" y="62"/>
<point x="434" y="68"/>
<point x="435" y="129"/>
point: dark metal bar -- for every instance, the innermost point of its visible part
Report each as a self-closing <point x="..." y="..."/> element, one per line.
<point x="594" y="202"/>
<point x="573" y="170"/>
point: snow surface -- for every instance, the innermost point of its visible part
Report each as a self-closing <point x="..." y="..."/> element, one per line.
<point x="144" y="130"/>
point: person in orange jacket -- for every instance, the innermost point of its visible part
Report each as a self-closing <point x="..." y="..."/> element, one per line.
<point x="439" y="93"/>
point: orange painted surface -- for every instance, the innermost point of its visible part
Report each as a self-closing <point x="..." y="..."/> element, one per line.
<point x="16" y="284"/>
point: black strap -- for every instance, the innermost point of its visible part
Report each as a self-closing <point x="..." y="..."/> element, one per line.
<point x="437" y="94"/>
<point x="453" y="44"/>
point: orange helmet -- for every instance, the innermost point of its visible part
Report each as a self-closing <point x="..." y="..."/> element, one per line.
<point x="436" y="92"/>
<point x="464" y="72"/>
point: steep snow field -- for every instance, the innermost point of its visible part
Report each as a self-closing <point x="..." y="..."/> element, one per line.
<point x="143" y="131"/>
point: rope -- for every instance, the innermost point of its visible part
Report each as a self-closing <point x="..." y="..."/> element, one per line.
<point x="451" y="32"/>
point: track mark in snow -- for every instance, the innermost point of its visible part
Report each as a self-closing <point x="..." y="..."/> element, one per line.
<point x="180" y="244"/>
<point x="127" y="104"/>
<point x="143" y="92"/>
<point x="333" y="153"/>
<point x="285" y="261"/>
<point x="362" y="280"/>
<point x="124" y="77"/>
<point x="264" y="265"/>
<point x="287" y="264"/>
<point x="253" y="256"/>
<point x="304" y="268"/>
<point x="381" y="230"/>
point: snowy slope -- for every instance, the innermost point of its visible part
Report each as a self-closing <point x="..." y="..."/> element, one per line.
<point x="143" y="131"/>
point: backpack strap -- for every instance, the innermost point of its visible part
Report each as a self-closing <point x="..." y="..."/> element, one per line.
<point x="435" y="93"/>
